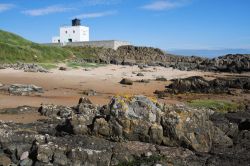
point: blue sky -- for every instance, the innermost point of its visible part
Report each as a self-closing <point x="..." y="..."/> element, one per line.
<point x="167" y="24"/>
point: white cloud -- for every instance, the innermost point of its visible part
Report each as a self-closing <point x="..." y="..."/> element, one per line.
<point x="5" y="6"/>
<point x="95" y="15"/>
<point x="47" y="10"/>
<point x="159" y="5"/>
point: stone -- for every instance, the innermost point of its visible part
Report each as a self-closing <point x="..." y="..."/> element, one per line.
<point x="161" y="79"/>
<point x="22" y="89"/>
<point x="140" y="75"/>
<point x="4" y="160"/>
<point x="189" y="127"/>
<point x="126" y="81"/>
<point x="24" y="156"/>
<point x="55" y="111"/>
<point x="63" y="68"/>
<point x="45" y="153"/>
<point x="156" y="134"/>
<point x="26" y="162"/>
<point x="89" y="92"/>
<point x="144" y="81"/>
<point x="101" y="127"/>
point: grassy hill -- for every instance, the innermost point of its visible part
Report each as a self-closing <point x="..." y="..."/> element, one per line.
<point x="14" y="48"/>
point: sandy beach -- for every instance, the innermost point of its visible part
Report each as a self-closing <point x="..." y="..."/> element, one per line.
<point x="65" y="87"/>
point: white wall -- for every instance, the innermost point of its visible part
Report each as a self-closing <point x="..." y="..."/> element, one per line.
<point x="76" y="33"/>
<point x="56" y="39"/>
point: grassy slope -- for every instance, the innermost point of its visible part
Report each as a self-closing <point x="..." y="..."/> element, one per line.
<point x="14" y="48"/>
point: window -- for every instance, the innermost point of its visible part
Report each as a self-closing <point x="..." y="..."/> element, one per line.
<point x="70" y="40"/>
<point x="58" y="41"/>
<point x="66" y="32"/>
<point x="74" y="31"/>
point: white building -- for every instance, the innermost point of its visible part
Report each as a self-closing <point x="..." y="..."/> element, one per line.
<point x="74" y="33"/>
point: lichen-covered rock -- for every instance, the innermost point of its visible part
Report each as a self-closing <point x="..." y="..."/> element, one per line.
<point x="22" y="89"/>
<point x="135" y="108"/>
<point x="55" y="110"/>
<point x="101" y="127"/>
<point x="193" y="128"/>
<point x="156" y="134"/>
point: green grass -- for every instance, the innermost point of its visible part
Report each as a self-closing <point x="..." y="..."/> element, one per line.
<point x="14" y="48"/>
<point x="216" y="105"/>
<point x="84" y="65"/>
<point x="86" y="52"/>
<point x="48" y="66"/>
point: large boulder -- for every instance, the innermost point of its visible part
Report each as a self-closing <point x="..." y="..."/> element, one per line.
<point x="197" y="84"/>
<point x="192" y="128"/>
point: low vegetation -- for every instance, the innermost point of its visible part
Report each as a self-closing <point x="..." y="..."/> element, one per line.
<point x="84" y="65"/>
<point x="48" y="66"/>
<point x="216" y="105"/>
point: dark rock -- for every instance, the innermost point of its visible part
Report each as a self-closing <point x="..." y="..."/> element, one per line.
<point x="89" y="92"/>
<point x="126" y="81"/>
<point x="144" y="81"/>
<point x="63" y="68"/>
<point x="197" y="84"/>
<point x="140" y="74"/>
<point x="161" y="79"/>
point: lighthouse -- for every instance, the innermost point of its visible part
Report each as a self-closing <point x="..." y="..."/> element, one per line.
<point x="74" y="33"/>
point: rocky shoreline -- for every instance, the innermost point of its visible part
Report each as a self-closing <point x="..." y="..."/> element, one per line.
<point x="148" y="56"/>
<point x="130" y="130"/>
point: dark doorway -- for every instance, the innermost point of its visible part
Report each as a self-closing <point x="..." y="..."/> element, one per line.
<point x="70" y="40"/>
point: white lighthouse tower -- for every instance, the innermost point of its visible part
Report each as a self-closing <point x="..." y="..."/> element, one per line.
<point x="74" y="33"/>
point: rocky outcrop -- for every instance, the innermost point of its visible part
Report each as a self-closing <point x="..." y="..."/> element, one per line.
<point x="197" y="84"/>
<point x="138" y="118"/>
<point x="148" y="56"/>
<point x="130" y="130"/>
<point x="21" y="89"/>
<point x="230" y="63"/>
<point x="26" y="67"/>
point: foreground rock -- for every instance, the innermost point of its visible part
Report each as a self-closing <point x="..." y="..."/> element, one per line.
<point x="197" y="84"/>
<point x="21" y="89"/>
<point x="140" y="119"/>
<point x="130" y="130"/>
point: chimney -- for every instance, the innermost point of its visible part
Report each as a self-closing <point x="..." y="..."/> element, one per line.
<point x="76" y="22"/>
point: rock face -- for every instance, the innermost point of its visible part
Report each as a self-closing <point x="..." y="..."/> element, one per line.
<point x="21" y="89"/>
<point x="130" y="130"/>
<point x="197" y="84"/>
